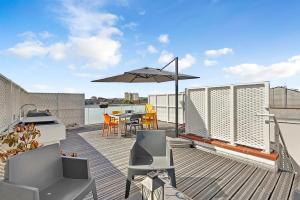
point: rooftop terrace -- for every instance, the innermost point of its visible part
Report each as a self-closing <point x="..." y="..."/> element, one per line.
<point x="199" y="174"/>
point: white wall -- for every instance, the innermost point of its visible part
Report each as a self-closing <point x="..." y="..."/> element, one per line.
<point x="291" y="133"/>
<point x="164" y="104"/>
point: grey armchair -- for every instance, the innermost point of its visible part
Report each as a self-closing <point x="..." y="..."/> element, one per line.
<point x="150" y="152"/>
<point x="42" y="174"/>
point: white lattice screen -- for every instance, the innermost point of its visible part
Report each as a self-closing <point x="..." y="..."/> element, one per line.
<point x="219" y="106"/>
<point x="196" y="107"/>
<point x="229" y="113"/>
<point x="250" y="127"/>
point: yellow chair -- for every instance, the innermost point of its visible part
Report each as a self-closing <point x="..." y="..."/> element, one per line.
<point x="149" y="108"/>
<point x="116" y="112"/>
<point x="150" y="120"/>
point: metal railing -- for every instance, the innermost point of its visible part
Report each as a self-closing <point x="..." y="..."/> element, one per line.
<point x="279" y="137"/>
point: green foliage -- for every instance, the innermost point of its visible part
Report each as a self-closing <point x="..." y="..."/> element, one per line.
<point x="22" y="139"/>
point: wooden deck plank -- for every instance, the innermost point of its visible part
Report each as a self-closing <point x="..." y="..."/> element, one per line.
<point x="282" y="189"/>
<point x="230" y="189"/>
<point x="246" y="191"/>
<point x="206" y="180"/>
<point x="265" y="189"/>
<point x="218" y="184"/>
<point x="295" y="187"/>
<point x="200" y="174"/>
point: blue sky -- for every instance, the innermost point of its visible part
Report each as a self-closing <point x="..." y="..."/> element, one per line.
<point x="60" y="46"/>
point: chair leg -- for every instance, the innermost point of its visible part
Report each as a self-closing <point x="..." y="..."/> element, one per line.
<point x="128" y="183"/>
<point x="94" y="191"/>
<point x="130" y="175"/>
<point x="171" y="173"/>
<point x="103" y="127"/>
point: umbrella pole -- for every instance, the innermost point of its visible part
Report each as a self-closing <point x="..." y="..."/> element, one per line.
<point x="176" y="97"/>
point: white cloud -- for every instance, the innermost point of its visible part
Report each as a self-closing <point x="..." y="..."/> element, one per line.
<point x="41" y="87"/>
<point x="100" y="52"/>
<point x="58" y="51"/>
<point x="92" y="39"/>
<point x="142" y="12"/>
<point x="70" y="90"/>
<point x="72" y="67"/>
<point x="28" y="49"/>
<point x="255" y="72"/>
<point x="131" y="25"/>
<point x="218" y="52"/>
<point x="151" y="49"/>
<point x="86" y="75"/>
<point x="208" y="63"/>
<point x="35" y="48"/>
<point x="45" y="35"/>
<point x="163" y="38"/>
<point x="165" y="57"/>
<point x="29" y="35"/>
<point x="187" y="61"/>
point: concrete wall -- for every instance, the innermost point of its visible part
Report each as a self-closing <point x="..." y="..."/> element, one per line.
<point x="286" y="113"/>
<point x="281" y="97"/>
<point x="68" y="107"/>
<point x="291" y="133"/>
<point x="285" y="103"/>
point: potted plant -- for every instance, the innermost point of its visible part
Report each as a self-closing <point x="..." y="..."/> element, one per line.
<point x="23" y="138"/>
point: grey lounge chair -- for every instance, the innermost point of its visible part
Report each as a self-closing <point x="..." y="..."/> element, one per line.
<point x="42" y="174"/>
<point x="150" y="152"/>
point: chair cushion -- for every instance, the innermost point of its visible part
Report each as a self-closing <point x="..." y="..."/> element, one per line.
<point x="67" y="189"/>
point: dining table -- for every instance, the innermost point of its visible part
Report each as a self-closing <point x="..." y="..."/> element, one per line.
<point x="123" y="117"/>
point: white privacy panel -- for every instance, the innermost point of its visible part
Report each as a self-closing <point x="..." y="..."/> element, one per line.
<point x="230" y="113"/>
<point x="250" y="100"/>
<point x="219" y="102"/>
<point x="196" y="112"/>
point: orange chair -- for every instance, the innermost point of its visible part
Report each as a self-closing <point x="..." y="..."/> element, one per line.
<point x="109" y="123"/>
<point x="150" y="120"/>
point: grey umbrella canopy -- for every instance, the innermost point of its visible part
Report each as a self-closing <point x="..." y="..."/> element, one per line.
<point x="152" y="75"/>
<point x="146" y="75"/>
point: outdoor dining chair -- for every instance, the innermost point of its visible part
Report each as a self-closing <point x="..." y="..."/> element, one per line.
<point x="42" y="174"/>
<point x="150" y="120"/>
<point x="150" y="152"/>
<point x="109" y="123"/>
<point x="134" y="122"/>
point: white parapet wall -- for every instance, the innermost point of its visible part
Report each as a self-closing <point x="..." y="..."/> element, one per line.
<point x="69" y="108"/>
<point x="164" y="104"/>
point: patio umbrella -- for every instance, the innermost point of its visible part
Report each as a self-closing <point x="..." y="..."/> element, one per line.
<point x="152" y="75"/>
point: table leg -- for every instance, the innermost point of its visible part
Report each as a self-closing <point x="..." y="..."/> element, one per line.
<point x="120" y="129"/>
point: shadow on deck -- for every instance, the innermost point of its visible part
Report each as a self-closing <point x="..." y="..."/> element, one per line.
<point x="200" y="175"/>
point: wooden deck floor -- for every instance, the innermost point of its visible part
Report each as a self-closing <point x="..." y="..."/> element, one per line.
<point x="200" y="175"/>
